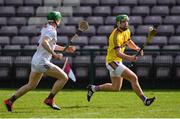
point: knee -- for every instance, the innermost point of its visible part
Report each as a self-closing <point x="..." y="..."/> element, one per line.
<point x="65" y="78"/>
<point x="134" y="79"/>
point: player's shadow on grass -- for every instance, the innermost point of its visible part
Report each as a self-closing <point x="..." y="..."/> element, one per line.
<point x="103" y="107"/>
<point x="87" y="106"/>
<point x="22" y="111"/>
<point x="75" y="106"/>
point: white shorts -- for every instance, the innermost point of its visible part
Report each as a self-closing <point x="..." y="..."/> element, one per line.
<point x="42" y="67"/>
<point x="116" y="68"/>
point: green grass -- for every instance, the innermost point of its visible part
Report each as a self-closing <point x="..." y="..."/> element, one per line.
<point x="103" y="105"/>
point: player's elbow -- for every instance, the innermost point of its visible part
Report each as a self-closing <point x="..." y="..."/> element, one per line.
<point x="120" y="55"/>
<point x="44" y="43"/>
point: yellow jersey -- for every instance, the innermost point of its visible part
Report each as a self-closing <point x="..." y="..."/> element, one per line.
<point x="117" y="41"/>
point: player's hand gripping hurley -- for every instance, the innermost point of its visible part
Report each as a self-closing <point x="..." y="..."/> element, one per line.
<point x="151" y="34"/>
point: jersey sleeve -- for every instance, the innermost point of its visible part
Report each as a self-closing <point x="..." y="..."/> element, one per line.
<point x="129" y="35"/>
<point x="116" y="42"/>
<point x="50" y="34"/>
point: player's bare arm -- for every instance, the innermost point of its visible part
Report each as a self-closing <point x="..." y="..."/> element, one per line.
<point x="125" y="56"/>
<point x="133" y="46"/>
<point x="70" y="49"/>
<point x="46" y="46"/>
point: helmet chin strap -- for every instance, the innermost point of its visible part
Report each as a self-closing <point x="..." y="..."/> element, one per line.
<point x="123" y="29"/>
<point x="56" y="24"/>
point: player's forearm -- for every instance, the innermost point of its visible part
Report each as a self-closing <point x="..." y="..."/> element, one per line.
<point x="132" y="45"/>
<point x="59" y="48"/>
<point x="47" y="47"/>
<point x="123" y="55"/>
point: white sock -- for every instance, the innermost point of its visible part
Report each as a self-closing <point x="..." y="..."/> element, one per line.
<point x="145" y="100"/>
<point x="93" y="88"/>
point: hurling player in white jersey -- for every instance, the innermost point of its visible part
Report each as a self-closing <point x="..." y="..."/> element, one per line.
<point x="41" y="63"/>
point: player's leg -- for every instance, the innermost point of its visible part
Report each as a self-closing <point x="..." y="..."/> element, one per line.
<point x="114" y="86"/>
<point x="116" y="79"/>
<point x="62" y="78"/>
<point x="34" y="79"/>
<point x="131" y="76"/>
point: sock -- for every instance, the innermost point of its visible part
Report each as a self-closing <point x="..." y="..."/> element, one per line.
<point x="51" y="96"/>
<point x="143" y="98"/>
<point x="12" y="98"/>
<point x="95" y="88"/>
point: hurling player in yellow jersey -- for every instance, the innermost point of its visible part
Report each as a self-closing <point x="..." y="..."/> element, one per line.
<point x="119" y="38"/>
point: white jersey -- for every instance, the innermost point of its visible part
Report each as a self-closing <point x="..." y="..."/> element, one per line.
<point x="41" y="55"/>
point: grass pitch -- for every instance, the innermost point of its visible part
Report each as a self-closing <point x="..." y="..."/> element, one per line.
<point x="124" y="104"/>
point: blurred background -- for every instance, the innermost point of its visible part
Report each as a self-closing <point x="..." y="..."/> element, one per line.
<point x="21" y="21"/>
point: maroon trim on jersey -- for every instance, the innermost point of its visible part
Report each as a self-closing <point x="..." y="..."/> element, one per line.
<point x="116" y="47"/>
